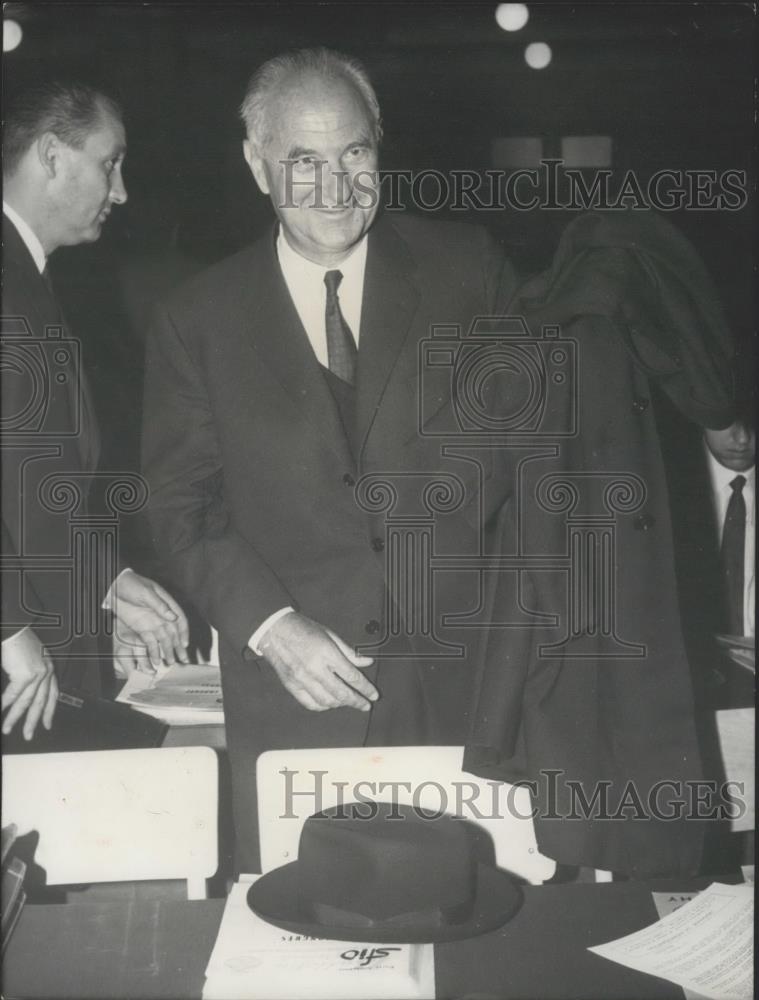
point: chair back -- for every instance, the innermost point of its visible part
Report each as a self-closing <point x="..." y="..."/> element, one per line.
<point x="294" y="784"/>
<point x="118" y="815"/>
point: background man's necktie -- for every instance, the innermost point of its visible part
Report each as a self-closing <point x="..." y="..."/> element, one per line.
<point x="733" y="545"/>
<point x="341" y="347"/>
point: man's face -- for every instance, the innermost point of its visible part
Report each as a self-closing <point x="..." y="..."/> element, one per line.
<point x="89" y="183"/>
<point x="733" y="447"/>
<point x="319" y="168"/>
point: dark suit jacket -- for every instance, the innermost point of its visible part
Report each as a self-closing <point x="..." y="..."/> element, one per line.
<point x="252" y="478"/>
<point x="49" y="450"/>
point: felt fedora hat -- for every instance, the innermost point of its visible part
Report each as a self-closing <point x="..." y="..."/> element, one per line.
<point x="373" y="871"/>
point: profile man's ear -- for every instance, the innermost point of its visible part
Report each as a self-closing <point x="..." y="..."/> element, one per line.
<point x="256" y="164"/>
<point x="48" y="148"/>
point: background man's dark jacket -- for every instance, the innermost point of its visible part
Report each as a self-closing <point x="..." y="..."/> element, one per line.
<point x="50" y="447"/>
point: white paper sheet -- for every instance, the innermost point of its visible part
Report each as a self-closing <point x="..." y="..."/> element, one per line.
<point x="176" y="677"/>
<point x="706" y="945"/>
<point x="736" y="728"/>
<point x="666" y="903"/>
<point x="252" y="960"/>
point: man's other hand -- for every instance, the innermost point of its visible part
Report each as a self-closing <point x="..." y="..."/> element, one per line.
<point x="143" y="608"/>
<point x="129" y="653"/>
<point x="32" y="687"/>
<point x="316" y="666"/>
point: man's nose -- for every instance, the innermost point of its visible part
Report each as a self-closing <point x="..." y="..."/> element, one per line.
<point x="118" y="193"/>
<point x="336" y="186"/>
<point x="741" y="434"/>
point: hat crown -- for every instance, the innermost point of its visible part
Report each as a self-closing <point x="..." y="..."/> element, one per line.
<point x="380" y="861"/>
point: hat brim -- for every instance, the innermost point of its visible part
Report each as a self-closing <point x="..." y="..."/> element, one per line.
<point x="275" y="898"/>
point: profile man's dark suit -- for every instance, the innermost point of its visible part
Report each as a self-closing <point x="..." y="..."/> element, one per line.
<point x="48" y="429"/>
<point x="252" y="479"/>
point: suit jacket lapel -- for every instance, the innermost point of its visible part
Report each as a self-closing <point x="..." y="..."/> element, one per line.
<point x="389" y="303"/>
<point x="74" y="395"/>
<point x="279" y="340"/>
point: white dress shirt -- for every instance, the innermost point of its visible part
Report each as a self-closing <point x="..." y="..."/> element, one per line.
<point x="28" y="235"/>
<point x="721" y="492"/>
<point x="305" y="283"/>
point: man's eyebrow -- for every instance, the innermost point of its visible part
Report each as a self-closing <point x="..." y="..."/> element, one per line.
<point x="360" y="140"/>
<point x="297" y="151"/>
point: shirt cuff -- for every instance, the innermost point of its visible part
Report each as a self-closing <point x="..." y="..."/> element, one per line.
<point x="12" y="638"/>
<point x="254" y="642"/>
<point x="107" y="604"/>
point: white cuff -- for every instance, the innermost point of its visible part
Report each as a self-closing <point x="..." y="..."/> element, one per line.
<point x="16" y="635"/>
<point x="107" y="604"/>
<point x="254" y="642"/>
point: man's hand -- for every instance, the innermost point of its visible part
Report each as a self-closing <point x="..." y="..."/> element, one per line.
<point x="143" y="608"/>
<point x="129" y="653"/>
<point x="32" y="688"/>
<point x="316" y="666"/>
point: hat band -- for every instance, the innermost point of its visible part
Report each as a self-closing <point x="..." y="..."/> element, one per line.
<point x="434" y="916"/>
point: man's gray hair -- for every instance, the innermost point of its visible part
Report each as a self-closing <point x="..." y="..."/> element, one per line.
<point x="271" y="77"/>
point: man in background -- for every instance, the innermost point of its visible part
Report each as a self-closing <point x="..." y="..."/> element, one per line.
<point x="64" y="146"/>
<point x="731" y="457"/>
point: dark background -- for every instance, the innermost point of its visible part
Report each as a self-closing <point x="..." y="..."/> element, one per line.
<point x="672" y="84"/>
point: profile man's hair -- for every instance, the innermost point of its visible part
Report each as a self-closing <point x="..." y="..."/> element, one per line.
<point x="70" y="110"/>
<point x="272" y="76"/>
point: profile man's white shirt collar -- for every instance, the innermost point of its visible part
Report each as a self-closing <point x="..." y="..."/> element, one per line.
<point x="305" y="283"/>
<point x="721" y="477"/>
<point x="28" y="235"/>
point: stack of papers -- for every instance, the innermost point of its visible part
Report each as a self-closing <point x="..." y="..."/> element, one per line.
<point x="704" y="945"/>
<point x="179" y="695"/>
<point x="253" y="960"/>
<point x="741" y="649"/>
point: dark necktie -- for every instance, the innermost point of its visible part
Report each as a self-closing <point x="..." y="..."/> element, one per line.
<point x="341" y="347"/>
<point x="733" y="545"/>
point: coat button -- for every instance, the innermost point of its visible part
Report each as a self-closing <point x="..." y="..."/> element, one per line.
<point x="372" y="626"/>
<point x="348" y="479"/>
<point x="643" y="522"/>
<point x="640" y="405"/>
<point x="378" y="545"/>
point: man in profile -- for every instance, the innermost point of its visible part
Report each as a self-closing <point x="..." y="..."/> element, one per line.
<point x="64" y="145"/>
<point x="274" y="382"/>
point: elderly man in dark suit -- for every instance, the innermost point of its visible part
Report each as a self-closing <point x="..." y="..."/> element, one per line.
<point x="64" y="144"/>
<point x="274" y="382"/>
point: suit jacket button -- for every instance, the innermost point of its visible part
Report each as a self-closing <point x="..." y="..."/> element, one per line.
<point x="378" y="545"/>
<point x="640" y="405"/>
<point x="348" y="479"/>
<point x="372" y="626"/>
<point x="643" y="522"/>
